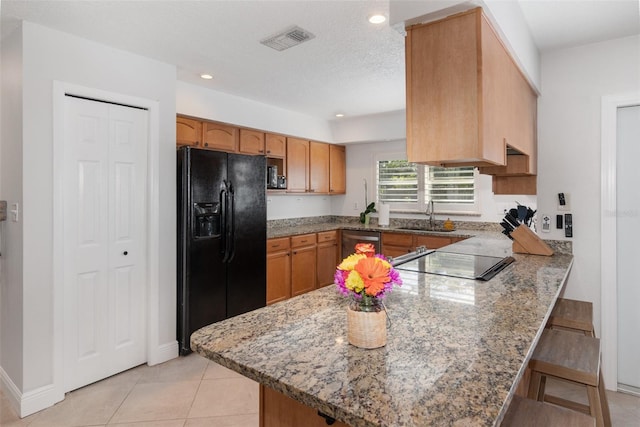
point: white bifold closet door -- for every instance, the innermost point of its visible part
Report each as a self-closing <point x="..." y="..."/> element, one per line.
<point x="105" y="253"/>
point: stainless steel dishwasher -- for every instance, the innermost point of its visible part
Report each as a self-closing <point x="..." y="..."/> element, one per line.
<point x="352" y="237"/>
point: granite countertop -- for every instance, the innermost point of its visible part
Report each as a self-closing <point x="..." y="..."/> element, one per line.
<point x="455" y="351"/>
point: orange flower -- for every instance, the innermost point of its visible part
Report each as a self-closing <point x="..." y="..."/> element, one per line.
<point x="374" y="274"/>
<point x="367" y="249"/>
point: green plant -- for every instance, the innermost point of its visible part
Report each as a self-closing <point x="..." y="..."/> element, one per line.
<point x="370" y="208"/>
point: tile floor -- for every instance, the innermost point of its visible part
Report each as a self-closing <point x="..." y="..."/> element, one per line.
<point x="194" y="392"/>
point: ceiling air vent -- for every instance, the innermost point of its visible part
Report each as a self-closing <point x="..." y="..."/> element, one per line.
<point x="290" y="37"/>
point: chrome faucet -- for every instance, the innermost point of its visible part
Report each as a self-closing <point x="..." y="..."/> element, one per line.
<point x="431" y="214"/>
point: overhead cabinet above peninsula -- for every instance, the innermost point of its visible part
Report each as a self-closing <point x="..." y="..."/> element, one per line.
<point x="467" y="101"/>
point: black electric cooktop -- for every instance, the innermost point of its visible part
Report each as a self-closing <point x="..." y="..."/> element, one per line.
<point x="466" y="266"/>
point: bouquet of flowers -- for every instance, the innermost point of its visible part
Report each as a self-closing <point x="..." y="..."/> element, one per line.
<point x="366" y="276"/>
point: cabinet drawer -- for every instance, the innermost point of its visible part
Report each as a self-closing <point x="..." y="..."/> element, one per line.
<point x="303" y="240"/>
<point x="277" y="245"/>
<point x="397" y="239"/>
<point x="328" y="236"/>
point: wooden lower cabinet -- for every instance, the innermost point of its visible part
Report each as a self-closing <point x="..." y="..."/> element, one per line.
<point x="303" y="264"/>
<point x="327" y="257"/>
<point x="396" y="244"/>
<point x="278" y="270"/>
<point x="278" y="410"/>
<point x="431" y="242"/>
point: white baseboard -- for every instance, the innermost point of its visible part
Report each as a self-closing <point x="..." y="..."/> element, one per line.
<point x="30" y="402"/>
<point x="163" y="353"/>
<point x="10" y="390"/>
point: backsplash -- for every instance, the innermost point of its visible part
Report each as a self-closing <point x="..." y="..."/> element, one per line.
<point x="558" y="246"/>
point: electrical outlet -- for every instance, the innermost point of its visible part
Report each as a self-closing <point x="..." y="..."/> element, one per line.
<point x="355" y="206"/>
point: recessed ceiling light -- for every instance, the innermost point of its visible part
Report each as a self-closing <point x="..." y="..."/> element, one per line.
<point x="206" y="76"/>
<point x="377" y="18"/>
<point x="339" y="115"/>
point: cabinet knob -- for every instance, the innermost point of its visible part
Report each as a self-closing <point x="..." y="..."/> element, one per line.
<point x="125" y="253"/>
<point x="268" y="151"/>
<point x="206" y="144"/>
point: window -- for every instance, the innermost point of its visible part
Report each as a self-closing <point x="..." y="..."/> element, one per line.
<point x="410" y="186"/>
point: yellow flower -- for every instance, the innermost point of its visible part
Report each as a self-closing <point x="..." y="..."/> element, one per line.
<point x="354" y="282"/>
<point x="350" y="262"/>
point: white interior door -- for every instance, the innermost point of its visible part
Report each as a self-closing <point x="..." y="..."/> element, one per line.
<point x="627" y="238"/>
<point x="105" y="252"/>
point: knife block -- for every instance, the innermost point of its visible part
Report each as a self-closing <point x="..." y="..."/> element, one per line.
<point x="527" y="242"/>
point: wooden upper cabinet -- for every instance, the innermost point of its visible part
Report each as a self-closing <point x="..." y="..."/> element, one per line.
<point x="217" y="136"/>
<point x="188" y="131"/>
<point x="337" y="169"/>
<point x="318" y="167"/>
<point x="251" y="141"/>
<point x="297" y="165"/>
<point x="276" y="145"/>
<point x="461" y="107"/>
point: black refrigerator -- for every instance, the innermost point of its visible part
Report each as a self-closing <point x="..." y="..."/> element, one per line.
<point x="222" y="231"/>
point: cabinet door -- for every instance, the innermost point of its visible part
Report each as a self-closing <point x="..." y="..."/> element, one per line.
<point x="337" y="169"/>
<point x="318" y="167"/>
<point x="303" y="270"/>
<point x="297" y="165"/>
<point x="251" y="142"/>
<point x="217" y="136"/>
<point x="456" y="96"/>
<point x="432" y="242"/>
<point x="396" y="244"/>
<point x="278" y="276"/>
<point x="394" y="251"/>
<point x="276" y="145"/>
<point x="188" y="131"/>
<point x="326" y="263"/>
<point x="278" y="410"/>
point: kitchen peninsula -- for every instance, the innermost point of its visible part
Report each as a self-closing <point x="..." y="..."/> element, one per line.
<point x="455" y="352"/>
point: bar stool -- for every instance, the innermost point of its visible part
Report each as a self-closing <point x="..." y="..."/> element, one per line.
<point x="575" y="358"/>
<point x="572" y="315"/>
<point x="530" y="413"/>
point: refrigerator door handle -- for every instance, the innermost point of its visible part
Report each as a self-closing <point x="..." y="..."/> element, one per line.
<point x="224" y="199"/>
<point x="231" y="224"/>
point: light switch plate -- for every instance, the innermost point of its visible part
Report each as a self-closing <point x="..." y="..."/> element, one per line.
<point x="546" y="223"/>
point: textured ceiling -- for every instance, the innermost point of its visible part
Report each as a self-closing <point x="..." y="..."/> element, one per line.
<point x="350" y="66"/>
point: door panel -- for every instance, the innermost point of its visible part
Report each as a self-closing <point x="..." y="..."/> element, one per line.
<point x="628" y="235"/>
<point x="105" y="150"/>
<point x="247" y="270"/>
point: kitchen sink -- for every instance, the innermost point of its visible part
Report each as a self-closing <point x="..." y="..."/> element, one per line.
<point x="436" y="230"/>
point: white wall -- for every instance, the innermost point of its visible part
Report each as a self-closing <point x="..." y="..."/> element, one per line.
<point x="360" y="166"/>
<point x="50" y="55"/>
<point x="573" y="83"/>
<point x="11" y="171"/>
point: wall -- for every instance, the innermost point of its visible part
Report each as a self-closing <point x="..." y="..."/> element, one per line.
<point x="49" y="56"/>
<point x="360" y="166"/>
<point x="573" y="83"/>
<point x="11" y="233"/>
